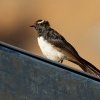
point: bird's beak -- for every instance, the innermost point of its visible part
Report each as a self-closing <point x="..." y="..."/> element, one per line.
<point x="32" y="26"/>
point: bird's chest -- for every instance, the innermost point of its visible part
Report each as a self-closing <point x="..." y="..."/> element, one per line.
<point x="49" y="50"/>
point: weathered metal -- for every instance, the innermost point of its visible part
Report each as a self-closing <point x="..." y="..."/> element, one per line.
<point x="25" y="76"/>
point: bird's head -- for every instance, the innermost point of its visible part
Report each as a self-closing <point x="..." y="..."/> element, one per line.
<point x="41" y="25"/>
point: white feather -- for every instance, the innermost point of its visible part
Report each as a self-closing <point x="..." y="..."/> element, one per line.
<point x="49" y="51"/>
<point x="40" y="22"/>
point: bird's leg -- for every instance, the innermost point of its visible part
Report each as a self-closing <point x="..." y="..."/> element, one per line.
<point x="60" y="61"/>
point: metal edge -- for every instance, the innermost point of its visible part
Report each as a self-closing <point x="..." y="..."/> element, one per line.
<point x="87" y="75"/>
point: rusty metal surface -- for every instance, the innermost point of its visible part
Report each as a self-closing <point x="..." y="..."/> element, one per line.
<point x="25" y="76"/>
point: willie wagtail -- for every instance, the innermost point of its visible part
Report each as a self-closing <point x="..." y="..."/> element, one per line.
<point x="55" y="47"/>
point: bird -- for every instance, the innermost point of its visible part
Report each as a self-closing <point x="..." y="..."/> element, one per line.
<point x="55" y="47"/>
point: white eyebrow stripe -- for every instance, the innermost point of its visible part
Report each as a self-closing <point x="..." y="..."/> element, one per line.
<point x="41" y="22"/>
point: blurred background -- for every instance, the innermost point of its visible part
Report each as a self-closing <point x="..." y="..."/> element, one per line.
<point x="77" y="20"/>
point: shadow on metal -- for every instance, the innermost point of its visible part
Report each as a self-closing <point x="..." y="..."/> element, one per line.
<point x="25" y="76"/>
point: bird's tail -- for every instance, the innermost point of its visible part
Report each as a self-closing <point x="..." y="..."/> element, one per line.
<point x="87" y="67"/>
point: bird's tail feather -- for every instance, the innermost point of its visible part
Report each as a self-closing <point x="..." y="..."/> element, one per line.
<point x="87" y="67"/>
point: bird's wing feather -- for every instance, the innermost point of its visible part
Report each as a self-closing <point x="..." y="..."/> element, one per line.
<point x="59" y="41"/>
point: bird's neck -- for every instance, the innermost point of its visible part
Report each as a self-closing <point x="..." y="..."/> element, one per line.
<point x="43" y="31"/>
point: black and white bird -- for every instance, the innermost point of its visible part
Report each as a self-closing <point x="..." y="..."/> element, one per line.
<point x="55" y="47"/>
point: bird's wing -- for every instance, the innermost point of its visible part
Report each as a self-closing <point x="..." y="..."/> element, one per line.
<point x="59" y="41"/>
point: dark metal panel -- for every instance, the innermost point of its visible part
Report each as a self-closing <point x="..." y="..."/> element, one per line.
<point x="24" y="76"/>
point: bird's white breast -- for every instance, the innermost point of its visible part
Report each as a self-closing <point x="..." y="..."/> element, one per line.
<point x="49" y="50"/>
